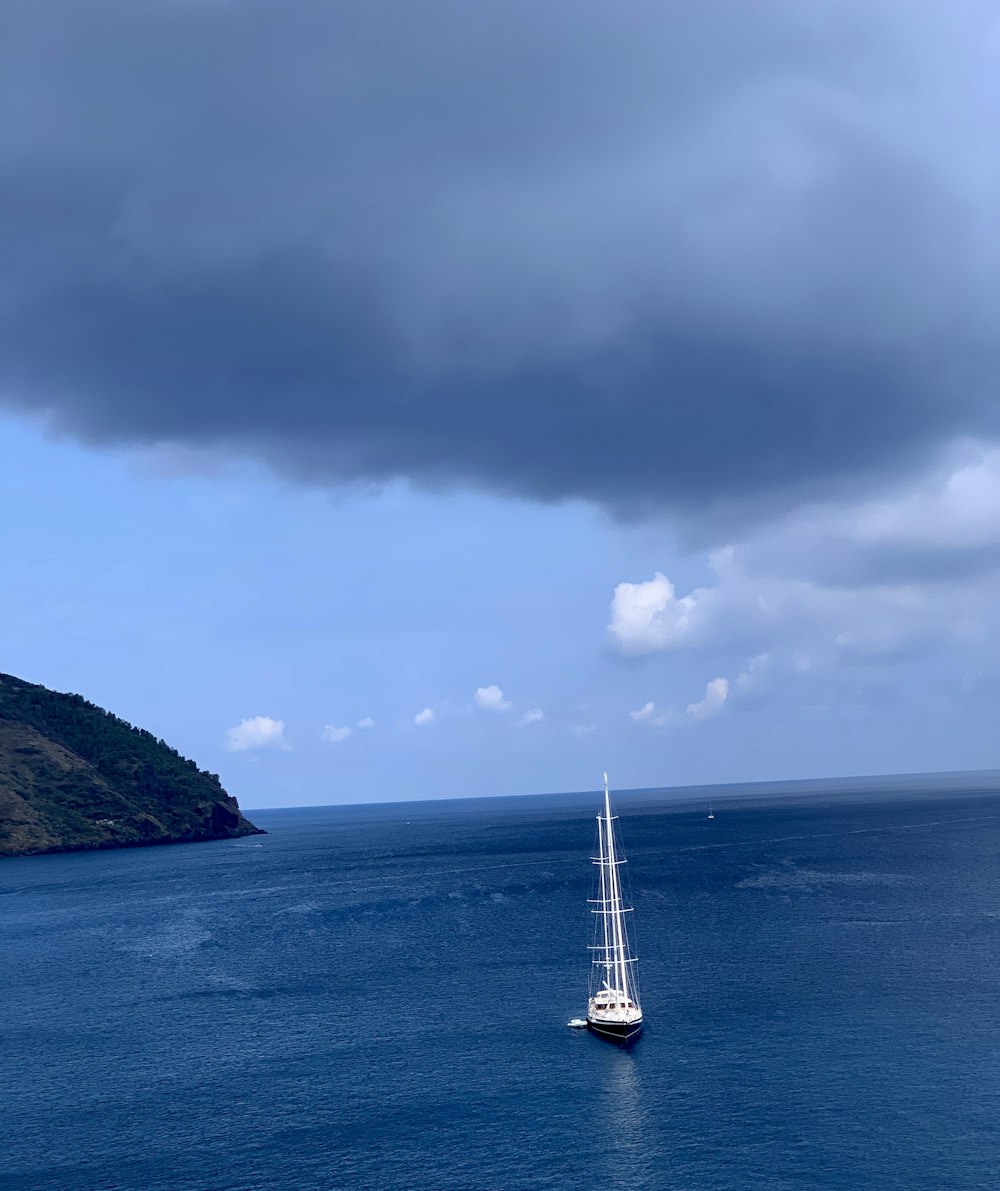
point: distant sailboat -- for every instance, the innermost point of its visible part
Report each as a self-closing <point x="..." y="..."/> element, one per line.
<point x="613" y="1009"/>
<point x="710" y="815"/>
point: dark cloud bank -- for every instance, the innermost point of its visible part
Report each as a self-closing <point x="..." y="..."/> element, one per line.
<point x="648" y="254"/>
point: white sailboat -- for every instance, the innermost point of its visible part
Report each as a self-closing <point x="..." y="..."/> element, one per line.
<point x="613" y="1009"/>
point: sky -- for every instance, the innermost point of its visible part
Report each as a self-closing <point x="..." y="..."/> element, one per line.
<point x="428" y="400"/>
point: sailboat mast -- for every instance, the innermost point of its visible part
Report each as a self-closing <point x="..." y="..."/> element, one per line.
<point x="616" y="897"/>
<point x="613" y="1009"/>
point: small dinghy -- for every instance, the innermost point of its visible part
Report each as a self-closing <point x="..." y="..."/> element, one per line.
<point x="577" y="1023"/>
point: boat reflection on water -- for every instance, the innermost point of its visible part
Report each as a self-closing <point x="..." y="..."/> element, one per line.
<point x="632" y="1143"/>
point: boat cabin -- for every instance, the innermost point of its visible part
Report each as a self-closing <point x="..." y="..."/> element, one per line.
<point x="612" y="1000"/>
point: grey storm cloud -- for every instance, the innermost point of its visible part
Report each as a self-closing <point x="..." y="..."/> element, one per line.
<point x="646" y="254"/>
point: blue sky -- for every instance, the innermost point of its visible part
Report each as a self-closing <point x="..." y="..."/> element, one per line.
<point x="605" y="386"/>
<point x="189" y="600"/>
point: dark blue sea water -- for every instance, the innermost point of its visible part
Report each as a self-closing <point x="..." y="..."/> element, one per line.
<point x="377" y="998"/>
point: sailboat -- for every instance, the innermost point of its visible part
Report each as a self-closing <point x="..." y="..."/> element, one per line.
<point x="710" y="814"/>
<point x="613" y="1009"/>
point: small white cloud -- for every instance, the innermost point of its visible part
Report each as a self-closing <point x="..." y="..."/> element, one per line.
<point x="582" y="729"/>
<point x="648" y="714"/>
<point x="423" y="718"/>
<point x="716" y="694"/>
<point x="643" y="713"/>
<point x="260" y="731"/>
<point x="334" y="734"/>
<point x="490" y="698"/>
<point x="535" y="716"/>
<point x="367" y="722"/>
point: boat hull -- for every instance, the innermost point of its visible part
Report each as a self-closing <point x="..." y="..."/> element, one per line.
<point x="624" y="1033"/>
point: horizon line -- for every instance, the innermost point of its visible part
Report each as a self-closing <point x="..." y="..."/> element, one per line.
<point x="732" y="786"/>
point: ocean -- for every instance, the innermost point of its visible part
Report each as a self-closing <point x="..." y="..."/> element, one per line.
<point x="377" y="997"/>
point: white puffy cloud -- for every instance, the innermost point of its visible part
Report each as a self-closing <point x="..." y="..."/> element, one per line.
<point x="334" y="734"/>
<point x="760" y="613"/>
<point x="716" y="694"/>
<point x="648" y="616"/>
<point x="490" y="698"/>
<point x="535" y="716"/>
<point x="915" y="567"/>
<point x="260" y="731"/>
<point x="838" y="602"/>
<point x="367" y="722"/>
<point x="423" y="718"/>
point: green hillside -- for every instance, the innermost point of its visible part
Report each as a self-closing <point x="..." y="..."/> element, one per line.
<point x="75" y="776"/>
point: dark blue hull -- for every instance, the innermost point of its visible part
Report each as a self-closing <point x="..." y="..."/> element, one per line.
<point x="624" y="1035"/>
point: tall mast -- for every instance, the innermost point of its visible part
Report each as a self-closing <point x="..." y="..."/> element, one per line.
<point x="616" y="897"/>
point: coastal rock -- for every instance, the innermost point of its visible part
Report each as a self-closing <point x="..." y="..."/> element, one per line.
<point x="74" y="776"/>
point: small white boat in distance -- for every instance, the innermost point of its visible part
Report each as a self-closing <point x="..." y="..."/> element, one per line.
<point x="577" y="1023"/>
<point x="613" y="1009"/>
